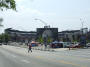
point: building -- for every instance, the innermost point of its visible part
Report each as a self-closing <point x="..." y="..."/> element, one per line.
<point x="21" y="36"/>
<point x="69" y="35"/>
<point x="48" y="33"/>
<point x="72" y="35"/>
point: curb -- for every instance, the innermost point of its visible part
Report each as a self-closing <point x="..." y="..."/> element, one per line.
<point x="43" y="49"/>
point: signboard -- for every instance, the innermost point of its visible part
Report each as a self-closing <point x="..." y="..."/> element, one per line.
<point x="83" y="40"/>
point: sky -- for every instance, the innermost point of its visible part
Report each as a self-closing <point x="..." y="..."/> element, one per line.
<point x="61" y="14"/>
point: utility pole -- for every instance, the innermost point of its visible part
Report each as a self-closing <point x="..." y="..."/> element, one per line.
<point x="83" y="36"/>
<point x="82" y="22"/>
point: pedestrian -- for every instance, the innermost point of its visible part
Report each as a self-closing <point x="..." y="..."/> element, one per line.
<point x="29" y="48"/>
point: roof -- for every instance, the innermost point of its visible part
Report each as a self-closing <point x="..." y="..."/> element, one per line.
<point x="13" y="30"/>
<point x="71" y="31"/>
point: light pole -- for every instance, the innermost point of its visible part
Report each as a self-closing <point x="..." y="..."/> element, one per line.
<point x="45" y="35"/>
<point x="41" y="21"/>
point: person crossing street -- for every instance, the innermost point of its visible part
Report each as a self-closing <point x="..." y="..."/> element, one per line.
<point x="29" y="47"/>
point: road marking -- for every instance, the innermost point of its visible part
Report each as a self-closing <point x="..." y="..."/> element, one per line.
<point x="14" y="56"/>
<point x="25" y="61"/>
<point x="38" y="56"/>
<point x="70" y="63"/>
<point x="82" y="55"/>
<point x="64" y="62"/>
<point x="88" y="59"/>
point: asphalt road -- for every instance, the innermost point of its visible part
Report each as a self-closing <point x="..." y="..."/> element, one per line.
<point x="19" y="57"/>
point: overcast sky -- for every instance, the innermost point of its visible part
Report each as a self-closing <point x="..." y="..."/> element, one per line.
<point x="64" y="14"/>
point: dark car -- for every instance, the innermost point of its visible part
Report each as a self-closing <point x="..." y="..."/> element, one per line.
<point x="56" y="44"/>
<point x="0" y="44"/>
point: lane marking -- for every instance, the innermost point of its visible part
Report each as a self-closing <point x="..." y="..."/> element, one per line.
<point x="88" y="59"/>
<point x="62" y="61"/>
<point x="39" y="57"/>
<point x="70" y="63"/>
<point x="25" y="61"/>
<point x="14" y="56"/>
<point x="75" y="57"/>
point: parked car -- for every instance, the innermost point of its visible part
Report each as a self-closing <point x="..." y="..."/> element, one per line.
<point x="88" y="44"/>
<point x="66" y="44"/>
<point x="5" y="43"/>
<point x="0" y="44"/>
<point x="75" y="45"/>
<point x="56" y="44"/>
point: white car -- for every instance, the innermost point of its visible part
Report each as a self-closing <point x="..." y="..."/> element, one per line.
<point x="88" y="44"/>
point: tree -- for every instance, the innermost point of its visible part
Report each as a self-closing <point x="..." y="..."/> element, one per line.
<point x="4" y="38"/>
<point x="8" y="4"/>
<point x="40" y="39"/>
<point x="49" y="40"/>
<point x="1" y="19"/>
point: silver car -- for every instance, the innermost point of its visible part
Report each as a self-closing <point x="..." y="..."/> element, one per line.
<point x="0" y="44"/>
<point x="88" y="44"/>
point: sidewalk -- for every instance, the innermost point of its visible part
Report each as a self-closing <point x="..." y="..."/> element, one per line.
<point x="61" y="49"/>
<point x="41" y="48"/>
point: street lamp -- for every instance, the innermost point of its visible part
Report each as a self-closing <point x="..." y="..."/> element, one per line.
<point x="41" y="21"/>
<point x="45" y="35"/>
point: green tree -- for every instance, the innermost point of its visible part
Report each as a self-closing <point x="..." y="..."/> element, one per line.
<point x="8" y="4"/>
<point x="40" y="39"/>
<point x="49" y="40"/>
<point x="4" y="38"/>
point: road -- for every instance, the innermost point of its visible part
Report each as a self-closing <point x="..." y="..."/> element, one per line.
<point x="19" y="57"/>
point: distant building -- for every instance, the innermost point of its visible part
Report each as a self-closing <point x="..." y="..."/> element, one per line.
<point x="51" y="33"/>
<point x="69" y="35"/>
<point x="16" y="35"/>
<point x="48" y="32"/>
<point x="84" y="30"/>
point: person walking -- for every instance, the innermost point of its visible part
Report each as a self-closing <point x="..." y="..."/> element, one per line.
<point x="29" y="48"/>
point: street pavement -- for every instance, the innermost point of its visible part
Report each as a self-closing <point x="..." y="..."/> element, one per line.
<point x="11" y="56"/>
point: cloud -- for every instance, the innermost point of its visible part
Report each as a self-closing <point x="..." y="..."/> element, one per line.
<point x="25" y="10"/>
